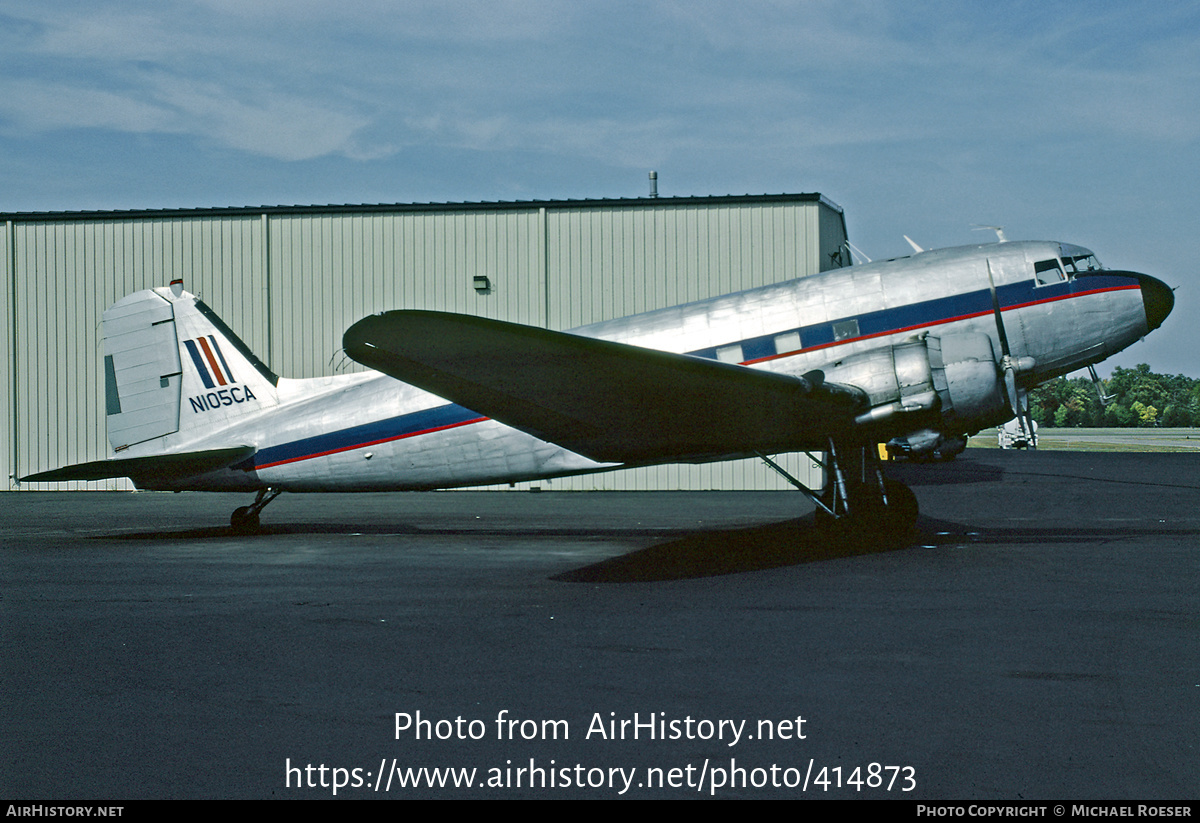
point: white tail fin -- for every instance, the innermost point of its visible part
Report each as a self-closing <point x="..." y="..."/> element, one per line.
<point x="171" y="365"/>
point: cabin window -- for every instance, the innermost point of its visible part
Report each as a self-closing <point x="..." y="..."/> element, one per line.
<point x="1047" y="272"/>
<point x="787" y="342"/>
<point x="845" y="329"/>
<point x="729" y="354"/>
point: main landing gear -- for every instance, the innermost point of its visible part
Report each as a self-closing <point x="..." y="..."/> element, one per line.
<point x="857" y="497"/>
<point x="245" y="519"/>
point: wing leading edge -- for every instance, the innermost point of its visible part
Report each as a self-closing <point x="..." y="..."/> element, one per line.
<point x="611" y="402"/>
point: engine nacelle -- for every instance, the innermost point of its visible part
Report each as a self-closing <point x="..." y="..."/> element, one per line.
<point x="953" y="383"/>
<point x="927" y="444"/>
<point x="974" y="396"/>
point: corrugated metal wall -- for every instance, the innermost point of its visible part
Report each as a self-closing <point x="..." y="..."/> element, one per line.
<point x="329" y="271"/>
<point x="8" y="393"/>
<point x="290" y="281"/>
<point x="610" y="262"/>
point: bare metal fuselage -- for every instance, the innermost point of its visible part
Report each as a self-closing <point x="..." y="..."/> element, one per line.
<point x="371" y="432"/>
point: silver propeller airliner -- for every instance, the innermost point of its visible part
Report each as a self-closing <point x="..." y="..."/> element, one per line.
<point x="924" y="348"/>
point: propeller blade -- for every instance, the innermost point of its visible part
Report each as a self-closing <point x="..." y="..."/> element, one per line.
<point x="1010" y="383"/>
<point x="996" y="311"/>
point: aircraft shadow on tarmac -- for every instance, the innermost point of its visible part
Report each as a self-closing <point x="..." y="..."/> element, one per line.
<point x="692" y="555"/>
<point x="713" y="553"/>
<point x="796" y="542"/>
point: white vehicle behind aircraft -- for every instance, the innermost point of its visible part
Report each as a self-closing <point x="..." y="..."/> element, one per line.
<point x="926" y="348"/>
<point x="1015" y="434"/>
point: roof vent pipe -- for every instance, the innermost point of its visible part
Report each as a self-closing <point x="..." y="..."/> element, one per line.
<point x="654" y="184"/>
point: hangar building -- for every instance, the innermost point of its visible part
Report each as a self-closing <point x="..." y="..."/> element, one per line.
<point x="290" y="280"/>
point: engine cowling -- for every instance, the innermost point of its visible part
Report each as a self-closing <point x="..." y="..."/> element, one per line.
<point x="975" y="395"/>
<point x="953" y="384"/>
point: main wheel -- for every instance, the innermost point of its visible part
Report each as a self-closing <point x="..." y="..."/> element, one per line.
<point x="902" y="508"/>
<point x="870" y="515"/>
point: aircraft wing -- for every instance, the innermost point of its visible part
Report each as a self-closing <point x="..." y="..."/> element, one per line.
<point x="611" y="402"/>
<point x="150" y="469"/>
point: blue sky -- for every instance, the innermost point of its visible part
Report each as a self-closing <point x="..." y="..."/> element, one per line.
<point x="1058" y="120"/>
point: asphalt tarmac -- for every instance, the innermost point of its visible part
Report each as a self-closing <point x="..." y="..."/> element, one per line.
<point x="1038" y="638"/>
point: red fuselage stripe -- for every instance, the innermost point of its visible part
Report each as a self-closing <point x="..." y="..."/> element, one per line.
<point x="370" y="443"/>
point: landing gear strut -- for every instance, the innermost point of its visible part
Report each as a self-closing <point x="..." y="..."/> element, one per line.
<point x="245" y="519"/>
<point x="856" y="494"/>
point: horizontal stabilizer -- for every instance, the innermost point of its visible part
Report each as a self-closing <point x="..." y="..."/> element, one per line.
<point x="608" y="401"/>
<point x="144" y="471"/>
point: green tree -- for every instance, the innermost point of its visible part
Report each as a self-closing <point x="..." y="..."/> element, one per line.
<point x="1066" y="403"/>
<point x="1139" y="397"/>
<point x="1146" y="415"/>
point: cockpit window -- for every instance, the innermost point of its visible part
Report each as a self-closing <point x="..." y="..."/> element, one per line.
<point x="1047" y="272"/>
<point x="1082" y="263"/>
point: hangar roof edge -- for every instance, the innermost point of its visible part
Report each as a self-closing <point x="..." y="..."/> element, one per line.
<point x="380" y="208"/>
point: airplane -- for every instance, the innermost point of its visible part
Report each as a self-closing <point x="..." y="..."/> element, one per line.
<point x="926" y="348"/>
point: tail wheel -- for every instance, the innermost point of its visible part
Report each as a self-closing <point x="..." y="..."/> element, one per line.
<point x="244" y="520"/>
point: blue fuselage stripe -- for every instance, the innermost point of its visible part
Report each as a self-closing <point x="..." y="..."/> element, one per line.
<point x="379" y="431"/>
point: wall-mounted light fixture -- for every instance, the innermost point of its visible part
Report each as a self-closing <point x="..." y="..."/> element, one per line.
<point x="482" y="283"/>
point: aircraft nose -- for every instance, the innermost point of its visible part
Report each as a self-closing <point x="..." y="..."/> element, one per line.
<point x="1158" y="300"/>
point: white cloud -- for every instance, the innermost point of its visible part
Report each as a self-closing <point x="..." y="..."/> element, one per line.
<point x="45" y="105"/>
<point x="270" y="124"/>
<point x="276" y="126"/>
<point x="611" y="81"/>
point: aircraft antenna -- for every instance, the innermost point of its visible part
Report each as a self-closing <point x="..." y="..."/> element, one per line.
<point x="855" y="250"/>
<point x="916" y="248"/>
<point x="340" y="362"/>
<point x="999" y="230"/>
